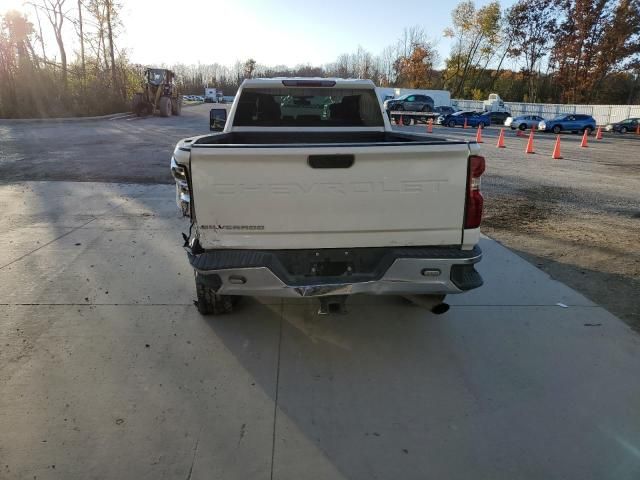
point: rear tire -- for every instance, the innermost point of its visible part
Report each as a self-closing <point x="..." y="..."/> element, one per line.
<point x="176" y="105"/>
<point x="165" y="106"/>
<point x="210" y="303"/>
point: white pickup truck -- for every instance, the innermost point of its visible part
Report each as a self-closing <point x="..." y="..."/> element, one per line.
<point x="306" y="191"/>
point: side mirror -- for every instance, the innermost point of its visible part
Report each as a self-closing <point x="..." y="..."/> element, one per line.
<point x="217" y="119"/>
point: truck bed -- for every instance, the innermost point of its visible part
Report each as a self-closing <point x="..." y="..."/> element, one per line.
<point x="238" y="139"/>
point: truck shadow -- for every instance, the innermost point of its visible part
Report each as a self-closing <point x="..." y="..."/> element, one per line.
<point x="356" y="393"/>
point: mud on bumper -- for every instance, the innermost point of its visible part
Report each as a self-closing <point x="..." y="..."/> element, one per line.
<point x="326" y="272"/>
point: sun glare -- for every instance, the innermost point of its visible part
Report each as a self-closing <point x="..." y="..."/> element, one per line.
<point x="6" y="5"/>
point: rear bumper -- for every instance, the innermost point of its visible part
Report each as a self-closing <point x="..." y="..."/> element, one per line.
<point x="318" y="273"/>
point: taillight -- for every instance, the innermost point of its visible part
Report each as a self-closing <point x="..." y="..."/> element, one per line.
<point x="473" y="210"/>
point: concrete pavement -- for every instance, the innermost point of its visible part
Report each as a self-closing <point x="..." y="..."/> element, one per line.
<point x="107" y="371"/>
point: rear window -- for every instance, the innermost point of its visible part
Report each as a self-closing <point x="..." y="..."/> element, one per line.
<point x="308" y="107"/>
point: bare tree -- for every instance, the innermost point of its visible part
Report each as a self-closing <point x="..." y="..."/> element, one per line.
<point x="40" y="36"/>
<point x="111" y="55"/>
<point x="81" y="37"/>
<point x="56" y="17"/>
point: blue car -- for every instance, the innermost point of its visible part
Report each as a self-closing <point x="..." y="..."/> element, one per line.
<point x="569" y="123"/>
<point x="474" y="119"/>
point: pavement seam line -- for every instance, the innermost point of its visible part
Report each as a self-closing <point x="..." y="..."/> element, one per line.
<point x="48" y="243"/>
<point x="275" y="403"/>
<point x="95" y="217"/>
<point x="195" y="452"/>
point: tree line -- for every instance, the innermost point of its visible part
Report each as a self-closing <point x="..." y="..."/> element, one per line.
<point x="555" y="51"/>
<point x="39" y="82"/>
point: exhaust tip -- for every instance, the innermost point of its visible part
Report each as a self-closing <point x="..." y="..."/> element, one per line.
<point x="440" y="308"/>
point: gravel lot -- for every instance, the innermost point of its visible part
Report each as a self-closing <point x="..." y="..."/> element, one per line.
<point x="577" y="218"/>
<point x="128" y="149"/>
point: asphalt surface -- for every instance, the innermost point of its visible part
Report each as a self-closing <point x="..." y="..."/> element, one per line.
<point x="107" y="371"/>
<point x="123" y="149"/>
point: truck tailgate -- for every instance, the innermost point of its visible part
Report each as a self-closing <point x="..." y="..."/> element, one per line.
<point x="273" y="198"/>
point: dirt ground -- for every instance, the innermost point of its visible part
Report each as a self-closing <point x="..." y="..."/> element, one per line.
<point x="594" y="253"/>
<point x="577" y="218"/>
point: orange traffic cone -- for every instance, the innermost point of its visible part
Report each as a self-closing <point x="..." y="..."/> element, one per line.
<point x="529" y="148"/>
<point x="638" y="129"/>
<point x="479" y="135"/>
<point x="583" y="143"/>
<point x="556" y="149"/>
<point x="599" y="133"/>
<point x="430" y="126"/>
<point x="501" y="139"/>
<point x="465" y="124"/>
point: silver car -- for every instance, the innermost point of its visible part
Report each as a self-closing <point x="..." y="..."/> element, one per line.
<point x="523" y="122"/>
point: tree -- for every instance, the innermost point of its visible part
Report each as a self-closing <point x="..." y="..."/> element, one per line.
<point x="595" y="39"/>
<point x="620" y="46"/>
<point x="114" y="80"/>
<point x="56" y="16"/>
<point x="81" y="38"/>
<point x="476" y="33"/>
<point x="249" y="67"/>
<point x="530" y="26"/>
<point x="415" y="70"/>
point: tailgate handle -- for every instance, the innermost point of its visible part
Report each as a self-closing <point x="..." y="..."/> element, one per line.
<point x="331" y="161"/>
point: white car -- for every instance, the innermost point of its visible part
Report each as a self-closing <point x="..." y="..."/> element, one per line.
<point x="326" y="202"/>
<point x="523" y="122"/>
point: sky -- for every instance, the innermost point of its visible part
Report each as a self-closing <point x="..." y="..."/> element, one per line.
<point x="273" y="32"/>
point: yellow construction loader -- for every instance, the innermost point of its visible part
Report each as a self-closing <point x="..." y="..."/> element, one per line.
<point x="159" y="93"/>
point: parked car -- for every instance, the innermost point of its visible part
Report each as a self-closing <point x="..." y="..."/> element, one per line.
<point x="523" y="122"/>
<point x="627" y="125"/>
<point x="410" y="102"/>
<point x="569" y="123"/>
<point x="474" y="119"/>
<point x="499" y="117"/>
<point x="302" y="241"/>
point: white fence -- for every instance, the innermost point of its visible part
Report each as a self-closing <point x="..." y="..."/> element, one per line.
<point x="602" y="113"/>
